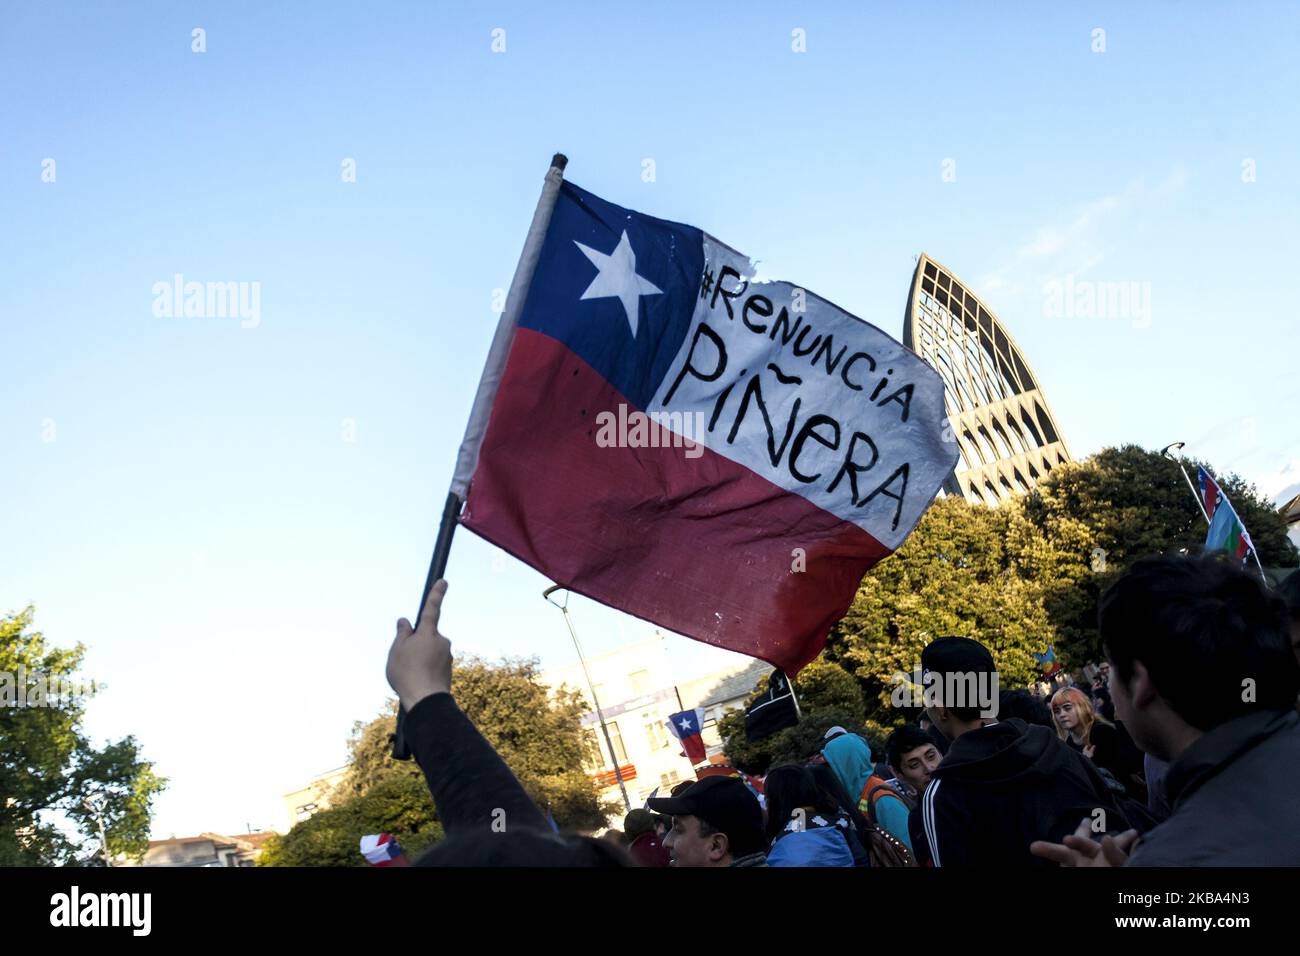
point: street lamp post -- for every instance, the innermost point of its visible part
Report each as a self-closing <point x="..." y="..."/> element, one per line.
<point x="564" y="609"/>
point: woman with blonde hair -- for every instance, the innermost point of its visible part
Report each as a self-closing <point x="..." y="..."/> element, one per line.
<point x="1108" y="746"/>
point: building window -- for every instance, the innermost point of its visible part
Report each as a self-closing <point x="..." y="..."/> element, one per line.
<point x="668" y="780"/>
<point x="640" y="681"/>
<point x="596" y="751"/>
<point x="657" y="734"/>
<point x="616" y="739"/>
<point x="593" y="755"/>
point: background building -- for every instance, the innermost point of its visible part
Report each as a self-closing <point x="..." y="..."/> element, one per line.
<point x="1290" y="511"/>
<point x="302" y="803"/>
<point x="1003" y="425"/>
<point x="638" y="692"/>
<point x="206" y="849"/>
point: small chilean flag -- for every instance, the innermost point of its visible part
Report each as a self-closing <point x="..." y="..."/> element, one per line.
<point x="381" y="849"/>
<point x="686" y="727"/>
<point x="661" y="431"/>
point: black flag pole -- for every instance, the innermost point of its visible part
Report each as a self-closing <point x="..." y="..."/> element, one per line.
<point x="437" y="567"/>
<point x="482" y="407"/>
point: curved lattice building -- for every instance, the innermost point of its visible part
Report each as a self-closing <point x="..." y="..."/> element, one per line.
<point x="1004" y="426"/>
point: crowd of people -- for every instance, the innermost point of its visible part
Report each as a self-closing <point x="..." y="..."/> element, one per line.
<point x="1182" y="748"/>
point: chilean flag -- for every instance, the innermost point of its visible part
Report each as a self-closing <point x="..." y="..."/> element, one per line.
<point x="380" y="849"/>
<point x="686" y="727"/>
<point x="790" y="446"/>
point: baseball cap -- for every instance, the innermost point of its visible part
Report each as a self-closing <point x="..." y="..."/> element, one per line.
<point x="963" y="656"/>
<point x="957" y="655"/>
<point x="725" y="804"/>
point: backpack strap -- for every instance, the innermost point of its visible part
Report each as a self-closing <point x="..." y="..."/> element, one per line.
<point x="869" y="797"/>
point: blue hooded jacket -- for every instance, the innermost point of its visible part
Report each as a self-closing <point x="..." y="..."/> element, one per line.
<point x="850" y="758"/>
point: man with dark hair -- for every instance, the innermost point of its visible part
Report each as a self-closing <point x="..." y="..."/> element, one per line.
<point x="1026" y="706"/>
<point x="1203" y="676"/>
<point x="912" y="757"/>
<point x="939" y="740"/>
<point x="716" y="822"/>
<point x="1002" y="785"/>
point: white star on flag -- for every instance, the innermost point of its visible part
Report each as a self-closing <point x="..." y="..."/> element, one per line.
<point x="685" y="724"/>
<point x="617" y="277"/>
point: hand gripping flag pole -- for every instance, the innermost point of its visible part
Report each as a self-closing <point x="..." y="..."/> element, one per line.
<point x="467" y="457"/>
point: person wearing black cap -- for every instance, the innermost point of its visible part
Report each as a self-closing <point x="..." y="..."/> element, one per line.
<point x="716" y="822"/>
<point x="1002" y="785"/>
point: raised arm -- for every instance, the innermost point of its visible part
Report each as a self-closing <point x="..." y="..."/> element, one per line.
<point x="471" y="785"/>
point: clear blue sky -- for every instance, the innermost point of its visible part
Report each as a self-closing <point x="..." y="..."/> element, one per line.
<point x="235" y="567"/>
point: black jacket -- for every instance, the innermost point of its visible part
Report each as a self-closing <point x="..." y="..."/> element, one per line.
<point x="1004" y="786"/>
<point x="1115" y="752"/>
<point x="472" y="788"/>
<point x="1233" y="794"/>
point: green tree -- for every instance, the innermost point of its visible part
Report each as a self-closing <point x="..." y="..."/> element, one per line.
<point x="828" y="695"/>
<point x="1020" y="577"/>
<point x="966" y="570"/>
<point x="536" y="732"/>
<point x="397" y="804"/>
<point x="1136" y="503"/>
<point x="49" y="768"/>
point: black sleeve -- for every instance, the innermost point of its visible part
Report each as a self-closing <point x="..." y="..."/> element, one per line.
<point x="949" y="827"/>
<point x="1105" y="742"/>
<point x="467" y="778"/>
<point x="916" y="833"/>
<point x="1130" y="757"/>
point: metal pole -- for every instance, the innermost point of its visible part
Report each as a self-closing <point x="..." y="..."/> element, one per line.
<point x="1199" y="503"/>
<point x="600" y="716"/>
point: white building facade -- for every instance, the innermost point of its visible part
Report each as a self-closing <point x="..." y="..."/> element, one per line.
<point x="638" y="692"/>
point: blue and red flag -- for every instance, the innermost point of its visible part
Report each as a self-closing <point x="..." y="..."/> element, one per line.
<point x="687" y="727"/>
<point x="380" y="849"/>
<point x="664" y="433"/>
<point x="1226" y="532"/>
<point x="1048" y="662"/>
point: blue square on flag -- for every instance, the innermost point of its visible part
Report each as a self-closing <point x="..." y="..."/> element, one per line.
<point x="635" y="278"/>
